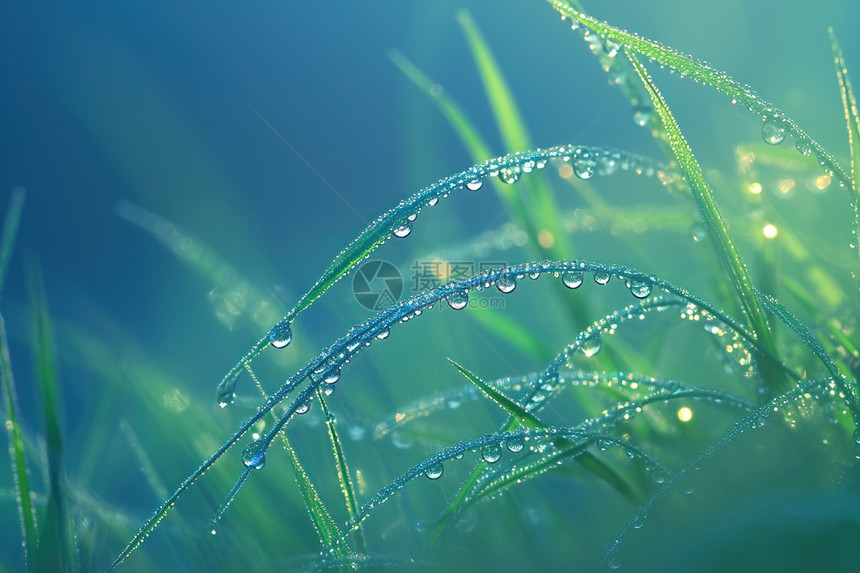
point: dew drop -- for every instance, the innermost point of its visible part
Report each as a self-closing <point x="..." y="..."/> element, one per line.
<point x="475" y="184"/>
<point x="591" y="345"/>
<point x="506" y="284"/>
<point x="857" y="436"/>
<point x="303" y="408"/>
<point x="640" y="289"/>
<point x="509" y="175"/>
<point x="601" y="277"/>
<point x="434" y="471"/>
<point x="642" y="115"/>
<point x="403" y="229"/>
<point x="383" y="334"/>
<point x="773" y="131"/>
<point x="332" y="376"/>
<point x="571" y="279"/>
<point x="491" y="454"/>
<point x="458" y="300"/>
<point x="584" y="167"/>
<point x="515" y="444"/>
<point x="254" y="456"/>
<point x="281" y="335"/>
<point x="803" y="147"/>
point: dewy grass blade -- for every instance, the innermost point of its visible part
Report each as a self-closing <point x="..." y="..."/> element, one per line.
<point x="520" y="414"/>
<point x="852" y="119"/>
<point x="17" y="451"/>
<point x="713" y="220"/>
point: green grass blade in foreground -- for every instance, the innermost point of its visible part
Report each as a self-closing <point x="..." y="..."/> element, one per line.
<point x="17" y="451"/>
<point x="56" y="551"/>
<point x="853" y="127"/>
<point x="715" y="225"/>
<point x="520" y="414"/>
<point x="10" y="231"/>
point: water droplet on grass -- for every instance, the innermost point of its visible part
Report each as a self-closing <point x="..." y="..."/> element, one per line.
<point x="571" y="279"/>
<point x="491" y="454"/>
<point x="601" y="277"/>
<point x="281" y="335"/>
<point x="475" y="184"/>
<point x="506" y="284"/>
<point x="403" y="229"/>
<point x="435" y="471"/>
<point x="640" y="289"/>
<point x="254" y="456"/>
<point x="515" y="444"/>
<point x="458" y="300"/>
<point x="773" y="131"/>
<point x="591" y="345"/>
<point x="584" y="167"/>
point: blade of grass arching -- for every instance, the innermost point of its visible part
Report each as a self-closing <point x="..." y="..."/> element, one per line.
<point x="17" y="452"/>
<point x="343" y="476"/>
<point x="10" y="231"/>
<point x="328" y="531"/>
<point x="853" y="126"/>
<point x="719" y="80"/>
<point x="521" y="415"/>
<point x="715" y="225"/>
<point x="515" y="136"/>
<point x="56" y="550"/>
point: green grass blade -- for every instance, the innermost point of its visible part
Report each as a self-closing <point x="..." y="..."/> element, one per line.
<point x="56" y="551"/>
<point x="343" y="476"/>
<point x="729" y="257"/>
<point x="852" y="120"/>
<point x="719" y="80"/>
<point x="520" y="414"/>
<point x="16" y="451"/>
<point x="10" y="231"/>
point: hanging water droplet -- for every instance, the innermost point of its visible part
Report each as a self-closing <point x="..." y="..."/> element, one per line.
<point x="773" y="131"/>
<point x="640" y="289"/>
<point x="584" y="167"/>
<point x="432" y="201"/>
<point x="528" y="166"/>
<point x="458" y="300"/>
<point x="303" y="408"/>
<point x="332" y="376"/>
<point x="281" y="335"/>
<point x="857" y="436"/>
<point x="571" y="279"/>
<point x="591" y="345"/>
<point x="403" y="229"/>
<point x="509" y="175"/>
<point x="434" y="471"/>
<point x="601" y="277"/>
<point x="383" y="334"/>
<point x="642" y="114"/>
<point x="475" y="184"/>
<point x="506" y="284"/>
<point x="515" y="444"/>
<point x="491" y="453"/>
<point x="254" y="455"/>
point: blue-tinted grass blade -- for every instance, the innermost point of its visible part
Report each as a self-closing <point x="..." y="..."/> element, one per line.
<point x="10" y="231"/>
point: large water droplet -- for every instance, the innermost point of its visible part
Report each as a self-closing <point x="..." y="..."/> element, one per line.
<point x="281" y="335"/>
<point x="434" y="471"/>
<point x="584" y="167"/>
<point x="773" y="131"/>
<point x="591" y="345"/>
<point x="403" y="229"/>
<point x="332" y="376"/>
<point x="515" y="444"/>
<point x="458" y="300"/>
<point x="254" y="456"/>
<point x="640" y="289"/>
<point x="491" y="454"/>
<point x="601" y="277"/>
<point x="571" y="279"/>
<point x="506" y="284"/>
<point x="475" y="184"/>
<point x="509" y="175"/>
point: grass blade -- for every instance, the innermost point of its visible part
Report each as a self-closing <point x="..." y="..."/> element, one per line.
<point x="10" y="231"/>
<point x="56" y="550"/>
<point x="728" y="255"/>
<point x="16" y="451"/>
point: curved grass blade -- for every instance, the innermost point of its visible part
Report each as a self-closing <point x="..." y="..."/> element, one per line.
<point x="398" y="222"/>
<point x="728" y="255"/>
